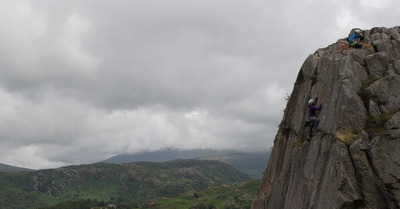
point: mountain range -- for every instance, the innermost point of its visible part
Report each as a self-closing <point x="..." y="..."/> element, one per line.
<point x="251" y="163"/>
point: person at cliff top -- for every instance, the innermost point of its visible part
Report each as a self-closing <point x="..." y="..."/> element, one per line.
<point x="311" y="115"/>
<point x="355" y="38"/>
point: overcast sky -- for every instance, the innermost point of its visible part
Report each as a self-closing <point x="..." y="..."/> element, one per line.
<point x="83" y="80"/>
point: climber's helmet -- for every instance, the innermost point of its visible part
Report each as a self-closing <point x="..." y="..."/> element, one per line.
<point x="310" y="102"/>
<point x="358" y="31"/>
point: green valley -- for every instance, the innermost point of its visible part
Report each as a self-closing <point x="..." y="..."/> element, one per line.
<point x="130" y="183"/>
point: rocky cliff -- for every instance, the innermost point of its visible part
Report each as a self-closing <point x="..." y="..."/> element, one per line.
<point x="354" y="159"/>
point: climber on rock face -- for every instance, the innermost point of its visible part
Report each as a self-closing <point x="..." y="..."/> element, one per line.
<point x="311" y="116"/>
<point x="354" y="39"/>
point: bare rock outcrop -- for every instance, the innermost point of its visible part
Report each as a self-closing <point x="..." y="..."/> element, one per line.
<point x="354" y="160"/>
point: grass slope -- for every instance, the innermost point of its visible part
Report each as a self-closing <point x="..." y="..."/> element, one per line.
<point x="233" y="196"/>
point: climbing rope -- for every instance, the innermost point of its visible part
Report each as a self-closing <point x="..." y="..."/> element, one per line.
<point x="343" y="47"/>
<point x="366" y="46"/>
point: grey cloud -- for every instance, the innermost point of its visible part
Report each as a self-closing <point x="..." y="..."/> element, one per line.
<point x="91" y="79"/>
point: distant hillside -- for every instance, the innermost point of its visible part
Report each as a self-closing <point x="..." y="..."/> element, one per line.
<point x="112" y="183"/>
<point x="251" y="163"/>
<point x="9" y="168"/>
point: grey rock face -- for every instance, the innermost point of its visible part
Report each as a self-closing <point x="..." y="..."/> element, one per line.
<point x="354" y="160"/>
<point x="386" y="92"/>
<point x="377" y="64"/>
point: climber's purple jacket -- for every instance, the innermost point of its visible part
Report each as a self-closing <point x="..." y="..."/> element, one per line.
<point x="312" y="108"/>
